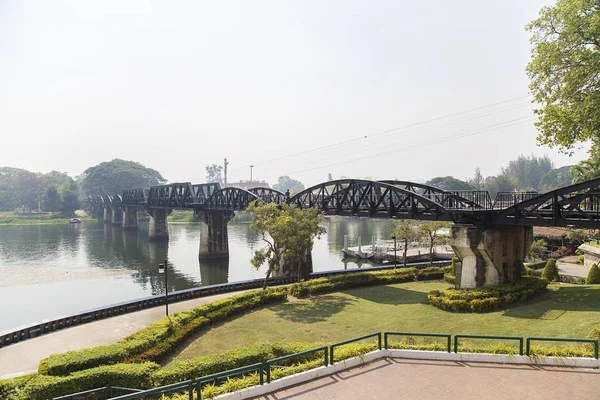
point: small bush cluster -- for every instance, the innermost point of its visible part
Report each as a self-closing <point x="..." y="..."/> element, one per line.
<point x="138" y="376"/>
<point x="593" y="277"/>
<point x="487" y="298"/>
<point x="367" y="278"/>
<point x="550" y="272"/>
<point x="560" y="253"/>
<point x="156" y="341"/>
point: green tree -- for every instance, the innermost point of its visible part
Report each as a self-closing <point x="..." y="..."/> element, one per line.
<point x="70" y="198"/>
<point x="285" y="183"/>
<point x="114" y="176"/>
<point x="593" y="277"/>
<point x="214" y="173"/>
<point x="406" y="231"/>
<point x="289" y="233"/>
<point x="555" y="178"/>
<point x="449" y="183"/>
<point x="527" y="171"/>
<point x="577" y="236"/>
<point x="477" y="180"/>
<point x="565" y="72"/>
<point x="586" y="170"/>
<point x="52" y="201"/>
<point x="537" y="249"/>
<point x="431" y="231"/>
<point x="500" y="183"/>
<point x="550" y="271"/>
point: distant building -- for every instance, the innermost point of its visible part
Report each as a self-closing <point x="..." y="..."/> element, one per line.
<point x="247" y="184"/>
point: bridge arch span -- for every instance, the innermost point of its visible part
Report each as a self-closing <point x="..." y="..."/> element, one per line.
<point x="356" y="197"/>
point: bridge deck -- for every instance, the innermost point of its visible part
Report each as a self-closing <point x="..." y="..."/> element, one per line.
<point x="397" y="379"/>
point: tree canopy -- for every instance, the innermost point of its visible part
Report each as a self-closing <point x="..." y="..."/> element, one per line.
<point x="214" y="173"/>
<point x="565" y="72"/>
<point x="285" y="183"/>
<point x="287" y="230"/>
<point x="406" y="230"/>
<point x="449" y="183"/>
<point x="112" y="177"/>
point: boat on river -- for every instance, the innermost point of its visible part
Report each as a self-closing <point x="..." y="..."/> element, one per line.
<point x="74" y="221"/>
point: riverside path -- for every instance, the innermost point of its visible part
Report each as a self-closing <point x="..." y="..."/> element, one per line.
<point x="22" y="358"/>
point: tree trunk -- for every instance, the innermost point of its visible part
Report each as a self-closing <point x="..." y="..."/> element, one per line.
<point x="405" y="251"/>
<point x="431" y="252"/>
<point x="267" y="279"/>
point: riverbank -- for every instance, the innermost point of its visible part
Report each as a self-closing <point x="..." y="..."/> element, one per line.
<point x="9" y="218"/>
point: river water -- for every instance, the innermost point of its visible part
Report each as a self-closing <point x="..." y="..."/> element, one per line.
<point x="47" y="271"/>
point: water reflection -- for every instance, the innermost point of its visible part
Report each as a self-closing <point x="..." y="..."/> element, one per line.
<point x="61" y="269"/>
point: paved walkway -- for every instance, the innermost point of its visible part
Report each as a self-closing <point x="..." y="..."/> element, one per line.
<point x="570" y="266"/>
<point x="400" y="379"/>
<point x="22" y="358"/>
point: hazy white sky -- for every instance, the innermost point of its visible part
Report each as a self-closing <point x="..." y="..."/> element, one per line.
<point x="177" y="85"/>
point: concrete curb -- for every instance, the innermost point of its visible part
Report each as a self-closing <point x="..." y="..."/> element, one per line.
<point x="306" y="376"/>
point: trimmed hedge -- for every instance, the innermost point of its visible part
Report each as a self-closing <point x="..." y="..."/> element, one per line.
<point x="367" y="278"/>
<point x="593" y="277"/>
<point x="487" y="298"/>
<point x="551" y="271"/>
<point x="211" y="364"/>
<point x="137" y="376"/>
<point x="156" y="341"/>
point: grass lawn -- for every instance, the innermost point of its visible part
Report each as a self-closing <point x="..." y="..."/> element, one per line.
<point x="565" y="311"/>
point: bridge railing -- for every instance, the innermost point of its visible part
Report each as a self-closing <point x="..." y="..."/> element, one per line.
<point x="509" y="199"/>
<point x="474" y="200"/>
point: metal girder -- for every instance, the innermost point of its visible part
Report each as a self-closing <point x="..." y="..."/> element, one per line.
<point x="268" y="195"/>
<point x="233" y="199"/>
<point x="135" y="197"/>
<point x="576" y="205"/>
<point x="370" y="199"/>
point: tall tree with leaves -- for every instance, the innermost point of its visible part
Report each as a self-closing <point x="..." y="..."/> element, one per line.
<point x="406" y="231"/>
<point x="565" y="72"/>
<point x="285" y="183"/>
<point x="214" y="173"/>
<point x="52" y="201"/>
<point x="112" y="177"/>
<point x="431" y="230"/>
<point x="289" y="233"/>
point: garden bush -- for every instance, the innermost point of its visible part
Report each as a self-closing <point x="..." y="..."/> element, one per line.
<point x="487" y="298"/>
<point x="137" y="376"/>
<point x="367" y="278"/>
<point x="593" y="277"/>
<point x="156" y="341"/>
<point x="551" y="271"/>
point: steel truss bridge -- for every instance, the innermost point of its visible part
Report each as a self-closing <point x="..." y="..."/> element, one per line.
<point x="572" y="206"/>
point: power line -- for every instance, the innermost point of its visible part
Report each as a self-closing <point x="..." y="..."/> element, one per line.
<point x="384" y="132"/>
<point x="494" y="127"/>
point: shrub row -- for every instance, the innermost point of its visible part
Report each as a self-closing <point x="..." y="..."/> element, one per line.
<point x="157" y="340"/>
<point x="487" y="298"/>
<point x="367" y="278"/>
<point x="137" y="376"/>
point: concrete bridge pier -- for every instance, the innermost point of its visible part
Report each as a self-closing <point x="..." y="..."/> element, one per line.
<point x="489" y="256"/>
<point x="117" y="216"/>
<point x="158" y="228"/>
<point x="214" y="241"/>
<point x="107" y="215"/>
<point x="130" y="218"/>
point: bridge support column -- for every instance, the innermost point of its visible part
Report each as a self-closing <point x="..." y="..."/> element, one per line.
<point x="214" y="241"/>
<point x="117" y="216"/>
<point x="130" y="218"/>
<point x="158" y="228"/>
<point x="107" y="215"/>
<point x="489" y="256"/>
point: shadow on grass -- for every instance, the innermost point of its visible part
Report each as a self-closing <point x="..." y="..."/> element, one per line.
<point x="554" y="303"/>
<point x="315" y="309"/>
<point x="390" y="295"/>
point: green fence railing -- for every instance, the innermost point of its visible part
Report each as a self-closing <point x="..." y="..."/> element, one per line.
<point x="159" y="391"/>
<point x="108" y="392"/>
<point x="520" y="339"/>
<point x="333" y="346"/>
<point x="547" y="339"/>
<point x="258" y="367"/>
<point x="444" y="335"/>
<point x="271" y="363"/>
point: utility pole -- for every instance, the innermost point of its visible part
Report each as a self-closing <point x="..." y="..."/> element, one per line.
<point x="252" y="166"/>
<point x="225" y="172"/>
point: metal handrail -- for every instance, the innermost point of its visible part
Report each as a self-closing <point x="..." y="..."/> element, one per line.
<point x="547" y="339"/>
<point x="447" y="336"/>
<point x="331" y="347"/>
<point x="268" y="364"/>
<point x="520" y="339"/>
<point x="174" y="387"/>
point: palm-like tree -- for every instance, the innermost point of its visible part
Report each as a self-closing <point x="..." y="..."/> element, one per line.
<point x="585" y="170"/>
